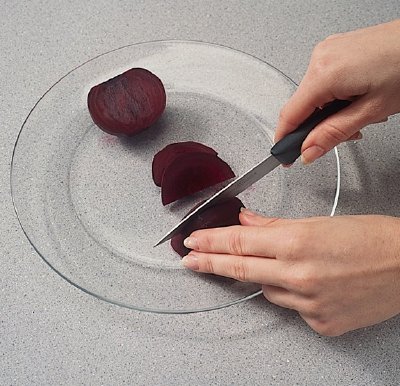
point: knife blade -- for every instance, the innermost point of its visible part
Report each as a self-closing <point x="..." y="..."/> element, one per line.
<point x="286" y="151"/>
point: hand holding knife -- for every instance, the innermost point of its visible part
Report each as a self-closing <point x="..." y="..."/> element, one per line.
<point x="286" y="151"/>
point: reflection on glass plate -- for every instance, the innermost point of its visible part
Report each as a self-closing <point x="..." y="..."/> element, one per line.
<point x="87" y="202"/>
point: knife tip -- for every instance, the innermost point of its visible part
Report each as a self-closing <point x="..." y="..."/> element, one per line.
<point x="157" y="244"/>
<point x="164" y="239"/>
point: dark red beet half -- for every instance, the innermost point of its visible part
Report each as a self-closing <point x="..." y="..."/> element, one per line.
<point x="128" y="103"/>
<point x="165" y="156"/>
<point x="222" y="214"/>
<point x="189" y="173"/>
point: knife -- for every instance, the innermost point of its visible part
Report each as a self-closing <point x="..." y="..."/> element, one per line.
<point x="286" y="151"/>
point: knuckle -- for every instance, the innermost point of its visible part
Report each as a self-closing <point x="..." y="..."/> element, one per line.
<point x="321" y="47"/>
<point x="302" y="277"/>
<point x="300" y="282"/>
<point x="240" y="269"/>
<point x="334" y="134"/>
<point x="305" y="281"/>
<point x="374" y="109"/>
<point x="235" y="243"/>
<point x="314" y="309"/>
<point x="297" y="242"/>
<point x="284" y="117"/>
<point x="325" y="327"/>
<point x="208" y="265"/>
<point x="204" y="241"/>
<point x="320" y="59"/>
<point x="324" y="64"/>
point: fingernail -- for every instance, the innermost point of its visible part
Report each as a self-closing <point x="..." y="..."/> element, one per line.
<point x="190" y="262"/>
<point x="247" y="212"/>
<point x="311" y="154"/>
<point x="191" y="243"/>
<point x="355" y="137"/>
<point x="358" y="137"/>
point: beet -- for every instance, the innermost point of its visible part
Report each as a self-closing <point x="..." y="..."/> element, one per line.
<point x="222" y="214"/>
<point x="189" y="173"/>
<point x="165" y="156"/>
<point x="127" y="103"/>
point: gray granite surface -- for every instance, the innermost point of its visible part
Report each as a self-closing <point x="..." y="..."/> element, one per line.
<point x="53" y="333"/>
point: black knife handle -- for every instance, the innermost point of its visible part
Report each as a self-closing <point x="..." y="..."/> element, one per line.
<point x="288" y="149"/>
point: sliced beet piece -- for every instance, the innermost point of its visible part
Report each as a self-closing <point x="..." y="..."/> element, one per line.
<point x="225" y="213"/>
<point x="177" y="244"/>
<point x="165" y="156"/>
<point x="189" y="173"/>
<point x="127" y="103"/>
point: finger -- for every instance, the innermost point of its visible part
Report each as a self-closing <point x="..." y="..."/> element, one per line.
<point x="250" y="218"/>
<point x="286" y="298"/>
<point x="238" y="240"/>
<point x="243" y="268"/>
<point x="338" y="128"/>
<point x="280" y="296"/>
<point x="383" y="120"/>
<point x="323" y="326"/>
<point x="355" y="137"/>
<point x="335" y="36"/>
<point x="308" y="97"/>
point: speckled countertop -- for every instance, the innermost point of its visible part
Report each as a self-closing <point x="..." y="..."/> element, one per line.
<point x="52" y="333"/>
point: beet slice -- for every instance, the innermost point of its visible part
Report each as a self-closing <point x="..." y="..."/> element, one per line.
<point x="225" y="213"/>
<point x="127" y="103"/>
<point x="165" y="156"/>
<point x="189" y="173"/>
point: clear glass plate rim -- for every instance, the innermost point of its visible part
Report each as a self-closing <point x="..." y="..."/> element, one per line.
<point x="92" y="293"/>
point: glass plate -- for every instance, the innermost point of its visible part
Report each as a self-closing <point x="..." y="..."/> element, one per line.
<point x="86" y="200"/>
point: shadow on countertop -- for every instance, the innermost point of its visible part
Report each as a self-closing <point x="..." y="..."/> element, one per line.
<point x="371" y="173"/>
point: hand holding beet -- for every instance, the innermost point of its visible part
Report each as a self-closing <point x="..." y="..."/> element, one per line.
<point x="340" y="273"/>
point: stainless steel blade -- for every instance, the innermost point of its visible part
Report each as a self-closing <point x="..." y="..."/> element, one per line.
<point x="231" y="190"/>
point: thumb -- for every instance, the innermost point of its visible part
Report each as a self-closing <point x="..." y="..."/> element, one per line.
<point x="308" y="97"/>
<point x="338" y="128"/>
